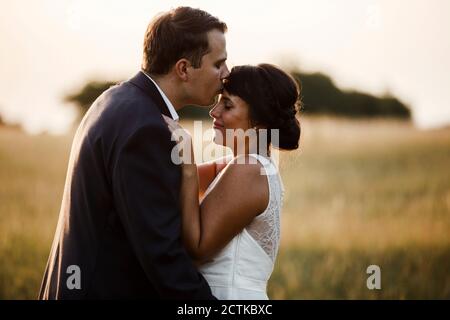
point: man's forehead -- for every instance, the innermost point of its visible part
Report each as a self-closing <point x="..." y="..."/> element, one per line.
<point x="216" y="39"/>
<point x="222" y="57"/>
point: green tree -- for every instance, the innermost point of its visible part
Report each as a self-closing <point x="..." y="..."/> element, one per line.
<point x="319" y="95"/>
<point x="87" y="95"/>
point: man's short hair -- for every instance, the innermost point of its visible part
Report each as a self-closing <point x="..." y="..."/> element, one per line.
<point x="176" y="34"/>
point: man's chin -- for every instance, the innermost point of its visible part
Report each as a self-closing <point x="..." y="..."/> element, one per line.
<point x="207" y="104"/>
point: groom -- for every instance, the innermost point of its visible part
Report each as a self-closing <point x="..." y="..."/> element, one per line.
<point x="118" y="234"/>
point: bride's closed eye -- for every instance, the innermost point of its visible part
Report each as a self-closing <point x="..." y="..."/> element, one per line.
<point x="227" y="104"/>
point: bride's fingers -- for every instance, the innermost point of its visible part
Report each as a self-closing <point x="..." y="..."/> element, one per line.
<point x="168" y="120"/>
<point x="178" y="132"/>
<point x="170" y="124"/>
<point x="174" y="126"/>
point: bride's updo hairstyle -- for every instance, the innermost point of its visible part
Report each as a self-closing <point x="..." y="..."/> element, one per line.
<point x="273" y="98"/>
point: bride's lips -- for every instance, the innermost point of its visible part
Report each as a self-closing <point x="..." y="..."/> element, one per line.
<point x="216" y="125"/>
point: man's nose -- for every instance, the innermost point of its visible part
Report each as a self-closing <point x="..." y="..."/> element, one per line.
<point x="225" y="72"/>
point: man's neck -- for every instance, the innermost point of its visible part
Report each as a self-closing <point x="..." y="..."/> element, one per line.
<point x="167" y="85"/>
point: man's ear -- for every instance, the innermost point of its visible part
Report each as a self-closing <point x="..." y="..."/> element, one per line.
<point x="181" y="67"/>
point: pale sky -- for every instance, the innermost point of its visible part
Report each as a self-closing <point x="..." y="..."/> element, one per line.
<point x="51" y="47"/>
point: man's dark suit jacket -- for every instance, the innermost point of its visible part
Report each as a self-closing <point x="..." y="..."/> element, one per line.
<point x="120" y="218"/>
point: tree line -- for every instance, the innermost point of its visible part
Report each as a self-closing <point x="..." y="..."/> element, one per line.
<point x="319" y="95"/>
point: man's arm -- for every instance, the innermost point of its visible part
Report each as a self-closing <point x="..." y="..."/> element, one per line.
<point x="145" y="186"/>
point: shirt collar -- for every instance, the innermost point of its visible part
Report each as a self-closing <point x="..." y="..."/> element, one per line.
<point x="170" y="106"/>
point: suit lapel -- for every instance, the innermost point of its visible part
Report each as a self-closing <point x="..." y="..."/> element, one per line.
<point x="144" y="83"/>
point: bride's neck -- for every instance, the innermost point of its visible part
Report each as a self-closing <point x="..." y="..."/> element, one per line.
<point x="261" y="151"/>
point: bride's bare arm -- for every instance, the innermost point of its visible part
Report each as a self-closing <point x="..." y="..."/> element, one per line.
<point x="240" y="195"/>
<point x="208" y="171"/>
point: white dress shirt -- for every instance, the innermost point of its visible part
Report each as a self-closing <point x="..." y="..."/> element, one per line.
<point x="170" y="106"/>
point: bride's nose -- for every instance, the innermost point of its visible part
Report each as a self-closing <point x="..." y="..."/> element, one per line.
<point x="213" y="113"/>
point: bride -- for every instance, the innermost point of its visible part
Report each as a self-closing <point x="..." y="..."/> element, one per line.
<point x="231" y="207"/>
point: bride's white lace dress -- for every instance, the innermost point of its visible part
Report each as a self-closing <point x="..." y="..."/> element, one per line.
<point x="241" y="270"/>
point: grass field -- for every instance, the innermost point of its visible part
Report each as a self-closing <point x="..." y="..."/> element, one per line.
<point x="357" y="193"/>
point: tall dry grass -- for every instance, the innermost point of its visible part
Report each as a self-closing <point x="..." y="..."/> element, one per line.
<point x="357" y="193"/>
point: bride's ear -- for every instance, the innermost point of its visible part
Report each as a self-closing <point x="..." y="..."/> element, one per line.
<point x="181" y="69"/>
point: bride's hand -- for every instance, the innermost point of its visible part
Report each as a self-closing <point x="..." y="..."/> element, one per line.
<point x="183" y="139"/>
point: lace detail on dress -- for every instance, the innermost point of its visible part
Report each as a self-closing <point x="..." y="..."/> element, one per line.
<point x="265" y="228"/>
